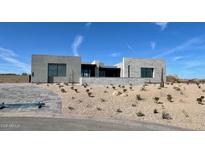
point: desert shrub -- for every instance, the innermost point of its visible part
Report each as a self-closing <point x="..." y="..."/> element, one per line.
<point x="76" y="90"/>
<point x="72" y="88"/>
<point x="99" y="109"/>
<point x="113" y="87"/>
<point x="105" y="91"/>
<point x="71" y="108"/>
<point x="131" y="88"/>
<point x="63" y="90"/>
<point x="87" y="90"/>
<point x="102" y="100"/>
<point x="123" y="86"/>
<point x="169" y="98"/>
<point x="166" y="115"/>
<point x="119" y="111"/>
<point x="124" y="90"/>
<point x="107" y="87"/>
<point x="90" y="94"/>
<point x="134" y="105"/>
<point x="177" y="88"/>
<point x="200" y="101"/>
<point x="203" y="91"/>
<point x="138" y="97"/>
<point x="143" y="89"/>
<point x="140" y="114"/>
<point x="155" y="111"/>
<point x="73" y="97"/>
<point x="80" y="101"/>
<point x="156" y="99"/>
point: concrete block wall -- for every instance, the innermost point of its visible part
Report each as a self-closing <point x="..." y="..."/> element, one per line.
<point x="136" y="64"/>
<point x="114" y="81"/>
<point x="40" y="68"/>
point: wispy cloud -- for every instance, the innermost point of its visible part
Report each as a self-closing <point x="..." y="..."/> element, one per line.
<point x="130" y="48"/>
<point x="188" y="45"/>
<point x="11" y="58"/>
<point x="76" y="44"/>
<point x="153" y="45"/>
<point x="178" y="58"/>
<point x="88" y="24"/>
<point x="115" y="54"/>
<point x="162" y="25"/>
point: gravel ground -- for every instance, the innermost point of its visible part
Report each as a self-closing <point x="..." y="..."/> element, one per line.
<point x="114" y="102"/>
<point x="28" y="93"/>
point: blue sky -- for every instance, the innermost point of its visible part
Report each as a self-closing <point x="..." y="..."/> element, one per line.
<point x="182" y="45"/>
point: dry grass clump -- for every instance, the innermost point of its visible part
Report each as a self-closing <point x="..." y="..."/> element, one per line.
<point x="166" y="116"/>
<point x="155" y="111"/>
<point x="76" y="90"/>
<point x="71" y="108"/>
<point x="143" y="88"/>
<point x="200" y="100"/>
<point x="138" y="97"/>
<point x="113" y="87"/>
<point x="124" y="90"/>
<point x="90" y="94"/>
<point x="63" y="90"/>
<point x="177" y="88"/>
<point x="85" y="85"/>
<point x="119" y="111"/>
<point x="169" y="98"/>
<point x="102" y="100"/>
<point x="140" y="114"/>
<point x="156" y="99"/>
<point x="72" y="88"/>
<point x="87" y="90"/>
<point x="116" y="93"/>
<point x="72" y="97"/>
<point x="99" y="109"/>
<point x="105" y="91"/>
<point x="134" y="105"/>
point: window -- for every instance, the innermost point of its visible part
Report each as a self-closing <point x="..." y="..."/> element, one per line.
<point x="147" y="72"/>
<point x="56" y="69"/>
<point x="128" y="71"/>
<point x="86" y="73"/>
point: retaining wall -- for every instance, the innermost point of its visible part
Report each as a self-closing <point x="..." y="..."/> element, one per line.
<point x="115" y="81"/>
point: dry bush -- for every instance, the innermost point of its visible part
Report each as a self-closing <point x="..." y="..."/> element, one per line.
<point x="166" y="116"/>
<point x="143" y="88"/>
<point x="123" y="86"/>
<point x="99" y="109"/>
<point x="200" y="101"/>
<point x="90" y="94"/>
<point x="113" y="87"/>
<point x="131" y="88"/>
<point x="80" y="101"/>
<point x="155" y="111"/>
<point x="172" y="79"/>
<point x="138" y="97"/>
<point x="177" y="88"/>
<point x="63" y="90"/>
<point x="102" y="100"/>
<point x="119" y="111"/>
<point x="70" y="108"/>
<point x="105" y="91"/>
<point x="76" y="90"/>
<point x="156" y="99"/>
<point x="73" y="97"/>
<point x="72" y="88"/>
<point x="140" y="114"/>
<point x="124" y="90"/>
<point x="169" y="98"/>
<point x="134" y="105"/>
<point x="87" y="90"/>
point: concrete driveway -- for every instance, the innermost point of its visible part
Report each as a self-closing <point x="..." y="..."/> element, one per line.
<point x="72" y="124"/>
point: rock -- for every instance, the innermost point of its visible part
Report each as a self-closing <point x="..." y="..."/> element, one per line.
<point x="116" y="93"/>
<point x="140" y="114"/>
<point x="166" y="116"/>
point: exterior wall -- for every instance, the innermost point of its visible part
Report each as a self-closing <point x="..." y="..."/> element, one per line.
<point x="113" y="80"/>
<point x="136" y="64"/>
<point x="40" y="68"/>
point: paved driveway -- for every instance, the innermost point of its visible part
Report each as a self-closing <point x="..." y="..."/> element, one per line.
<point x="65" y="124"/>
<point x="26" y="93"/>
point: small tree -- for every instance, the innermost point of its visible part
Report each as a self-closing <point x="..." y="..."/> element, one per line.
<point x="162" y="79"/>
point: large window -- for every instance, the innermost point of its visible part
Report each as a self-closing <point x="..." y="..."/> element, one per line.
<point x="56" y="69"/>
<point x="147" y="72"/>
<point x="86" y="73"/>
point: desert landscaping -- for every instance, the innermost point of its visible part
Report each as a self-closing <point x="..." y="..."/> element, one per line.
<point x="176" y="104"/>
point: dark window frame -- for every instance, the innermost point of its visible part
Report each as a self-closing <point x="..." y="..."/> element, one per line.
<point x="128" y="69"/>
<point x="147" y="72"/>
<point x="57" y="73"/>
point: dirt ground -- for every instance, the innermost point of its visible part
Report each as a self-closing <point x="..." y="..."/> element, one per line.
<point x="183" y="110"/>
<point x="14" y="79"/>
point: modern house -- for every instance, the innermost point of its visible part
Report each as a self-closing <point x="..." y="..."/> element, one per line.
<point x="46" y="68"/>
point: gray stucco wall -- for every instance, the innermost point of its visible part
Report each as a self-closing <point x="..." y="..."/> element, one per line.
<point x="137" y="63"/>
<point x="40" y="68"/>
<point x="114" y="81"/>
